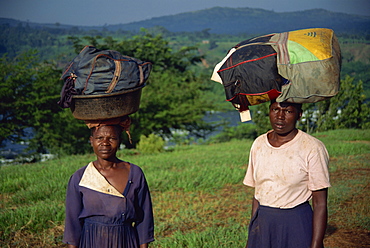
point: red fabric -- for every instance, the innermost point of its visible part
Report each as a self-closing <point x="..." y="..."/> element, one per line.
<point x="124" y="122"/>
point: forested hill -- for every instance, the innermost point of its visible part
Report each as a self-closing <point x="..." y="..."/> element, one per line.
<point x="222" y="20"/>
<point x="253" y="21"/>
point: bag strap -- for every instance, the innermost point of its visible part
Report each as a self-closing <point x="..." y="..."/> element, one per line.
<point x="115" y="79"/>
<point x="117" y="73"/>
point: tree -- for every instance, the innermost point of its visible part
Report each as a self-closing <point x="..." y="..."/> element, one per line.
<point x="346" y="110"/>
<point x="56" y="130"/>
<point x="16" y="81"/>
<point x="29" y="94"/>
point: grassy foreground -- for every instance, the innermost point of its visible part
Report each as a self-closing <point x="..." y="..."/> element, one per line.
<point x="198" y="196"/>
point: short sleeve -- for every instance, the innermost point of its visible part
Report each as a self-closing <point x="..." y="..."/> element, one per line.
<point x="249" y="176"/>
<point x="318" y="169"/>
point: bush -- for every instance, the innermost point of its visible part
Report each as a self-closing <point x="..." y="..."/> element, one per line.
<point x="151" y="144"/>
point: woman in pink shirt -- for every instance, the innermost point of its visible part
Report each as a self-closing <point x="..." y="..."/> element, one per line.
<point x="287" y="168"/>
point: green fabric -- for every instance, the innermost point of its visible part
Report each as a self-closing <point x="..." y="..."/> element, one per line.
<point x="299" y="54"/>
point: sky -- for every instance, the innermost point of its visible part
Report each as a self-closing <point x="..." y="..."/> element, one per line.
<point x="106" y="12"/>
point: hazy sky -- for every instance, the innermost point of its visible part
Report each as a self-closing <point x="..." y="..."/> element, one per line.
<point x="101" y="12"/>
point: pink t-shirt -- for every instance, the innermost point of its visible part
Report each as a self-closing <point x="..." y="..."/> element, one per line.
<point x="285" y="176"/>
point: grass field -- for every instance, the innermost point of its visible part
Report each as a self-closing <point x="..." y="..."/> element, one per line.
<point x="198" y="196"/>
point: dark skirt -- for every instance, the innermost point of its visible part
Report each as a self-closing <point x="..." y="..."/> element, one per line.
<point x="101" y="232"/>
<point x="281" y="228"/>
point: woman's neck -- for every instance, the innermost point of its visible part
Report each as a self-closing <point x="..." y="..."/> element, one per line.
<point x="277" y="140"/>
<point x="102" y="164"/>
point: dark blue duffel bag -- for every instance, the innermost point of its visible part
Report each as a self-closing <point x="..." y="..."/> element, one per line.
<point x="98" y="72"/>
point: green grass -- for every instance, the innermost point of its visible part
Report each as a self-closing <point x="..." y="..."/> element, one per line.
<point x="197" y="191"/>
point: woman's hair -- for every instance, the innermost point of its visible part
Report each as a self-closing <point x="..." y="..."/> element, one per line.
<point x="123" y="123"/>
<point x="297" y="106"/>
<point x="117" y="127"/>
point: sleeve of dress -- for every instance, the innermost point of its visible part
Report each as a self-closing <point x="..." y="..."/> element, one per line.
<point x="145" y="227"/>
<point x="73" y="226"/>
<point x="318" y="170"/>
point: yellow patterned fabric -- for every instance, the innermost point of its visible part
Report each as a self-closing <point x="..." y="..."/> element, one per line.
<point x="310" y="45"/>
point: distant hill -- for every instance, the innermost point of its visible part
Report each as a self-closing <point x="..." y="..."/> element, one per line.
<point x="222" y="20"/>
<point x="14" y="23"/>
<point x="253" y="21"/>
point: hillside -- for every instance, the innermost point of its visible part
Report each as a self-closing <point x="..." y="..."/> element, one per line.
<point x="253" y="21"/>
<point x="223" y="20"/>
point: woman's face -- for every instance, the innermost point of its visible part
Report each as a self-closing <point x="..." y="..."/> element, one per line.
<point x="283" y="117"/>
<point x="105" y="141"/>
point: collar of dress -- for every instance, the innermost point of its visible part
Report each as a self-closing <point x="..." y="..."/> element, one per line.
<point x="92" y="179"/>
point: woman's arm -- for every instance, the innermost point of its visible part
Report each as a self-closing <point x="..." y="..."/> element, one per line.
<point x="144" y="246"/>
<point x="74" y="205"/>
<point x="320" y="217"/>
<point x="254" y="207"/>
<point x="72" y="246"/>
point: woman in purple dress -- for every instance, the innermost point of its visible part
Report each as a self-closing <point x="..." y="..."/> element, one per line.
<point x="108" y="202"/>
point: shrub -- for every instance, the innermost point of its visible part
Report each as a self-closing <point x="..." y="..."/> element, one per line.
<point x="151" y="144"/>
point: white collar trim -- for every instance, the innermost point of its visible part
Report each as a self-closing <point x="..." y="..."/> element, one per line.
<point x="92" y="179"/>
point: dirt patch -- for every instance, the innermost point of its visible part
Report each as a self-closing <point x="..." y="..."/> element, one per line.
<point x="344" y="228"/>
<point x="348" y="238"/>
<point x="48" y="238"/>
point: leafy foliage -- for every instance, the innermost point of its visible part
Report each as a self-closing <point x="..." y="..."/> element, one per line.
<point x="346" y="110"/>
<point x="151" y="144"/>
<point x="29" y="93"/>
<point x="16" y="82"/>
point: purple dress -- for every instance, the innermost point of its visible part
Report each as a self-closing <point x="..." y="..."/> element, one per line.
<point x="97" y="215"/>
